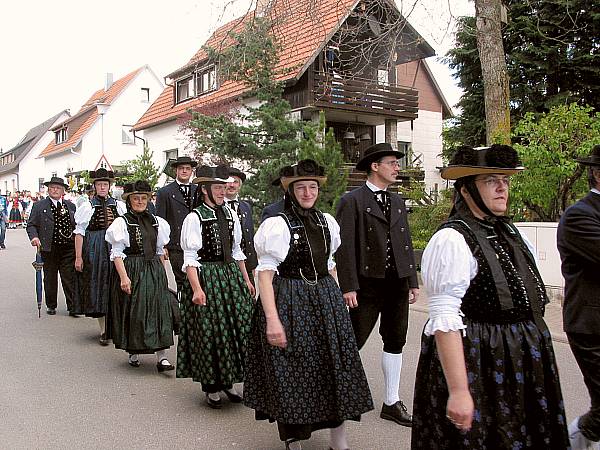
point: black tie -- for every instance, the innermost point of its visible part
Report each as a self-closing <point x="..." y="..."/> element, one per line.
<point x="185" y="190"/>
<point x="233" y="204"/>
<point x="58" y="207"/>
<point x="383" y="199"/>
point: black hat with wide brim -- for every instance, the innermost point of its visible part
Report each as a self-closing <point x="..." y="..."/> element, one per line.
<point x="210" y="174"/>
<point x="305" y="170"/>
<point x="183" y="160"/>
<point x="57" y="180"/>
<point x="593" y="159"/>
<point x="375" y="152"/>
<point x="237" y="173"/>
<point x="138" y="187"/>
<point x="469" y="161"/>
<point x="102" y="175"/>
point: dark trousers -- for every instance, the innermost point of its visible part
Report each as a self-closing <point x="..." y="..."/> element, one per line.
<point x="176" y="261"/>
<point x="387" y="297"/>
<point x="60" y="260"/>
<point x="586" y="349"/>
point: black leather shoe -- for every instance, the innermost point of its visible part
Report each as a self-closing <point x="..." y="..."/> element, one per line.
<point x="234" y="397"/>
<point x="51" y="311"/>
<point x="214" y="404"/>
<point x="397" y="413"/>
<point x="103" y="341"/>
<point x="134" y="362"/>
<point x="162" y="367"/>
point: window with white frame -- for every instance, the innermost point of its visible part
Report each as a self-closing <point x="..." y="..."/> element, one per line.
<point x="206" y="80"/>
<point x="60" y="136"/>
<point x="145" y="92"/>
<point x="184" y="89"/>
<point x="171" y="154"/>
<point x="127" y="134"/>
<point x="406" y="148"/>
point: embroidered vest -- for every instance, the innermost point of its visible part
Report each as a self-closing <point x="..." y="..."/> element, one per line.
<point x="105" y="213"/>
<point x="137" y="237"/>
<point x="63" y="227"/>
<point x="212" y="246"/>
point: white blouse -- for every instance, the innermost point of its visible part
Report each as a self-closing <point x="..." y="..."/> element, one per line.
<point x="191" y="239"/>
<point x="84" y="213"/>
<point x="118" y="237"/>
<point x="447" y="267"/>
<point x="272" y="242"/>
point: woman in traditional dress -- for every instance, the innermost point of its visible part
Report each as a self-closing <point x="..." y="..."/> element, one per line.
<point x="217" y="302"/>
<point x="487" y="376"/>
<point x="92" y="252"/>
<point x="303" y="367"/>
<point x="15" y="213"/>
<point x="141" y="320"/>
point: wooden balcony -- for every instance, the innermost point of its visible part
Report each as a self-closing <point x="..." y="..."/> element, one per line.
<point x="364" y="96"/>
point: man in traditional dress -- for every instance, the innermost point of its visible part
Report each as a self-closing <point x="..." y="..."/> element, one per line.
<point x="579" y="247"/>
<point x="376" y="267"/>
<point x="92" y="252"/>
<point x="50" y="228"/>
<point x="173" y="203"/>
<point x="244" y="212"/>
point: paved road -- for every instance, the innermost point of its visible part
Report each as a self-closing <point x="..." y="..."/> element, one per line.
<point x="60" y="390"/>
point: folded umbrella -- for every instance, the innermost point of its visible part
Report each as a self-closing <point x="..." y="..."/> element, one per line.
<point x="38" y="264"/>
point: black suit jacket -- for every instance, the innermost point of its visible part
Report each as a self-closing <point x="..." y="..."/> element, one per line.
<point x="170" y="205"/>
<point x="272" y="210"/>
<point x="245" y="214"/>
<point x="578" y="240"/>
<point x="363" y="229"/>
<point x="41" y="221"/>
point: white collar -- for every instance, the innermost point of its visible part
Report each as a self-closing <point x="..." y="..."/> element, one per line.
<point x="596" y="191"/>
<point x="54" y="202"/>
<point x="373" y="187"/>
<point x="183" y="184"/>
<point x="236" y="199"/>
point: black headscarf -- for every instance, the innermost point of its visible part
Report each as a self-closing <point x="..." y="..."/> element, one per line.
<point x="149" y="233"/>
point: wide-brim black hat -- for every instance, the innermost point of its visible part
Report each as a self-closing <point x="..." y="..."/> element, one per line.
<point x="305" y="170"/>
<point x="468" y="161"/>
<point x="138" y="187"/>
<point x="102" y="175"/>
<point x="184" y="160"/>
<point x="593" y="159"/>
<point x="375" y="152"/>
<point x="237" y="173"/>
<point x="56" y="180"/>
<point x="209" y="174"/>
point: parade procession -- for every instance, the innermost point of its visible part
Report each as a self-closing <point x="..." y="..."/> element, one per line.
<point x="311" y="224"/>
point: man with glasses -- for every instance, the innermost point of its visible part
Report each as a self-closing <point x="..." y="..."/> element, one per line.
<point x="376" y="267"/>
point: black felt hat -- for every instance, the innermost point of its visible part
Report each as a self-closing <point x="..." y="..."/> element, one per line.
<point x="467" y="161"/>
<point x="138" y="187"/>
<point x="102" y="175"/>
<point x="183" y="160"/>
<point x="237" y="173"/>
<point x="57" y="180"/>
<point x="307" y="169"/>
<point x="375" y="152"/>
<point x="209" y="174"/>
<point x="593" y="159"/>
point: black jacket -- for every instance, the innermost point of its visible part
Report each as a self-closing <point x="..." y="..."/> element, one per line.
<point x="245" y="214"/>
<point x="363" y="230"/>
<point x="272" y="210"/>
<point x="170" y="205"/>
<point x="41" y="221"/>
<point x="578" y="240"/>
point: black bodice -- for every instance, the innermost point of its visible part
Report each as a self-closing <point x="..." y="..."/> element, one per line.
<point x="139" y="237"/>
<point x="481" y="302"/>
<point x="105" y="213"/>
<point x="309" y="247"/>
<point x="212" y="243"/>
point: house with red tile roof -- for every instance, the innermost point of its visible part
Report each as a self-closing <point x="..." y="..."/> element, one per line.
<point x="325" y="67"/>
<point x="102" y="128"/>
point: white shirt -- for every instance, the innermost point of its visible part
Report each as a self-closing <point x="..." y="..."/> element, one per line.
<point x="595" y="191"/>
<point x="117" y="235"/>
<point x="447" y="267"/>
<point x="373" y="187"/>
<point x="84" y="213"/>
<point x="54" y="202"/>
<point x="272" y="242"/>
<point x="191" y="239"/>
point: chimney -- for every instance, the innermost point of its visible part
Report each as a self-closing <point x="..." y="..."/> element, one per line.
<point x="109" y="81"/>
<point x="263" y="7"/>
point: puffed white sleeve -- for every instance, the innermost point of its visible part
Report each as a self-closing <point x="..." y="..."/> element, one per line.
<point x="121" y="207"/>
<point x="334" y="231"/>
<point x="164" y="232"/>
<point x="448" y="267"/>
<point x="118" y="237"/>
<point x="272" y="243"/>
<point x="83" y="214"/>
<point x="191" y="240"/>
<point x="237" y="252"/>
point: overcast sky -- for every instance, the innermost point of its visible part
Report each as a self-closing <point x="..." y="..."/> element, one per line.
<point x="55" y="54"/>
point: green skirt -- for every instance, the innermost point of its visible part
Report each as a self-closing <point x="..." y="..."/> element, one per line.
<point x="142" y="322"/>
<point x="212" y="338"/>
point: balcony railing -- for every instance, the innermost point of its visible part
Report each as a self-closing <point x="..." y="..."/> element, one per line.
<point x="362" y="95"/>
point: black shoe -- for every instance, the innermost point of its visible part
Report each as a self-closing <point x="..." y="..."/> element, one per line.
<point x="103" y="341"/>
<point x="162" y="367"/>
<point x="290" y="441"/>
<point x="214" y="404"/>
<point x="233" y="397"/>
<point x="51" y="311"/>
<point x="134" y="362"/>
<point x="2" y="246"/>
<point x="397" y="413"/>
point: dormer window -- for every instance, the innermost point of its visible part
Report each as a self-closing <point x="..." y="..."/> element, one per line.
<point x="184" y="89"/>
<point x="206" y="80"/>
<point x="60" y="136"/>
<point x="200" y="83"/>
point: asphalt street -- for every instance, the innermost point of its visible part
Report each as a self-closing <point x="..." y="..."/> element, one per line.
<point x="59" y="389"/>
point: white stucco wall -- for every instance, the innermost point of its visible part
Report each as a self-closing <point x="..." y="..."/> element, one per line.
<point x="162" y="138"/>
